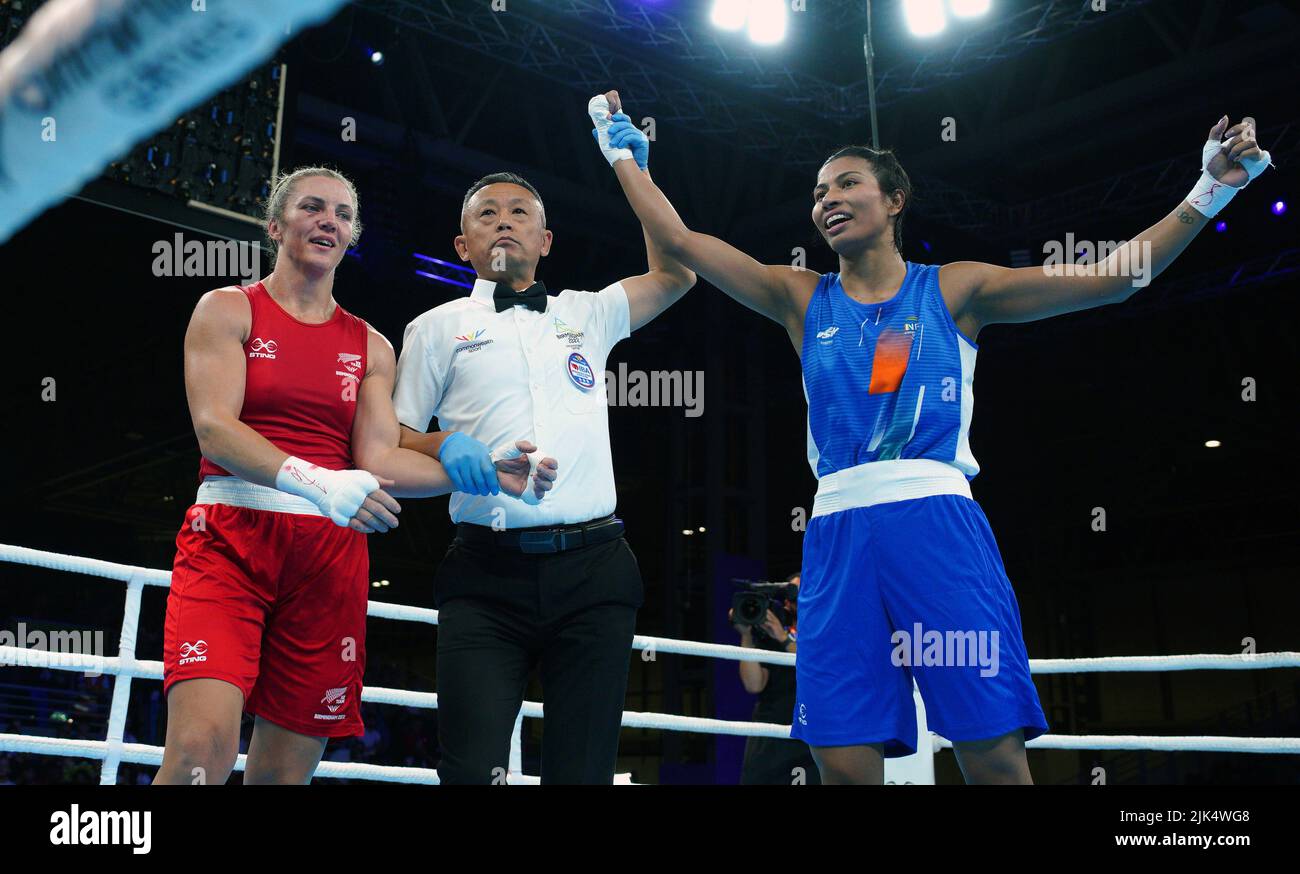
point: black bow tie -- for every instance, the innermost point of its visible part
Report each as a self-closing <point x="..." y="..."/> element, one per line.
<point x="533" y="297"/>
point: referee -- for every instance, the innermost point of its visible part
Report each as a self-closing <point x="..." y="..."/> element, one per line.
<point x="554" y="584"/>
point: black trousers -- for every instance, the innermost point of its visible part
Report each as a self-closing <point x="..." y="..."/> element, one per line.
<point x="501" y="613"/>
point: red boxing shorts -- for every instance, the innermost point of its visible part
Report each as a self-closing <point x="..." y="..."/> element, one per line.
<point x="274" y="603"/>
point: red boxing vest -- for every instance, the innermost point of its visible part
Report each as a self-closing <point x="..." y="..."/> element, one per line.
<point x="301" y="383"/>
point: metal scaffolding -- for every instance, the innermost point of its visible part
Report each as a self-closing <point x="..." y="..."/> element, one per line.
<point x="588" y="62"/>
<point x="980" y="44"/>
<point x="659" y="42"/>
<point x="683" y="73"/>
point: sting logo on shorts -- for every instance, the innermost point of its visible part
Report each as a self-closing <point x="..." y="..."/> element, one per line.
<point x="194" y="652"/>
<point x="580" y="372"/>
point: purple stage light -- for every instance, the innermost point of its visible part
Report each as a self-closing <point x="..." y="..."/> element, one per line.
<point x="442" y="279"/>
<point x="460" y="267"/>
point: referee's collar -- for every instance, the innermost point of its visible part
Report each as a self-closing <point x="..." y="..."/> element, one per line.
<point x="483" y="292"/>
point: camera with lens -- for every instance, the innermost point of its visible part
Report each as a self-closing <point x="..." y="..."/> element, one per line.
<point x="749" y="606"/>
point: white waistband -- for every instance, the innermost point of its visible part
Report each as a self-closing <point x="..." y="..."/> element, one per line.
<point x="240" y="493"/>
<point x="879" y="482"/>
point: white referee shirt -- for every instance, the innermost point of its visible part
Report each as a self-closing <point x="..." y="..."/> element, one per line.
<point x="520" y="375"/>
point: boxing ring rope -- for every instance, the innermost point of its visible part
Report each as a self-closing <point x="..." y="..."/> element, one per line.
<point x="125" y="667"/>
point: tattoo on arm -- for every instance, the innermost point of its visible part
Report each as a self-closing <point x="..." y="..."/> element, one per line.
<point x="1184" y="216"/>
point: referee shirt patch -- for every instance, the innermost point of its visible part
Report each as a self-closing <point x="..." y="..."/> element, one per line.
<point x="580" y="372"/>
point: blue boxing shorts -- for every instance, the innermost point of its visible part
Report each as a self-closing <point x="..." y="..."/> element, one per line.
<point x="900" y="589"/>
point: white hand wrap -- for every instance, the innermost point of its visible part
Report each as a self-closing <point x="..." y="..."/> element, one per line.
<point x="1209" y="195"/>
<point x="509" y="451"/>
<point x="338" y="493"/>
<point x="598" y="109"/>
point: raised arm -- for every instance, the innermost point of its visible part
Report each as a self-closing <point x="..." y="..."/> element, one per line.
<point x="982" y="294"/>
<point x="779" y="292"/>
<point x="661" y="286"/>
<point x="988" y="294"/>
<point x="667" y="279"/>
<point x="753" y="675"/>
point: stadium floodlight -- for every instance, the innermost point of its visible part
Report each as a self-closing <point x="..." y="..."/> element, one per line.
<point x="969" y="8"/>
<point x="729" y="14"/>
<point x="767" y="20"/>
<point x="924" y="17"/>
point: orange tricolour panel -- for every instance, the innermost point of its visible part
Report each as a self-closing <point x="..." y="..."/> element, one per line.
<point x="892" y="351"/>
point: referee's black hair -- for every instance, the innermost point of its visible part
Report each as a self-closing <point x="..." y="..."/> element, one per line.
<point x="891" y="176"/>
<point x="494" y="178"/>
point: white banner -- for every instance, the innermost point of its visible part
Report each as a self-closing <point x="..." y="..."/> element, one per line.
<point x="88" y="79"/>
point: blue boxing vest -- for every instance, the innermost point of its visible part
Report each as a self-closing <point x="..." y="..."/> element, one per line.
<point x="887" y="380"/>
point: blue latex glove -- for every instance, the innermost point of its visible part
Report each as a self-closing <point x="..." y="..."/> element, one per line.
<point x="625" y="135"/>
<point x="469" y="465"/>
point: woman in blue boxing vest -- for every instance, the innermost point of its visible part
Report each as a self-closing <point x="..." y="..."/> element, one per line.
<point x="902" y="578"/>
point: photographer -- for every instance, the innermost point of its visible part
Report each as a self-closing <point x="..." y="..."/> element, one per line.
<point x="769" y="760"/>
